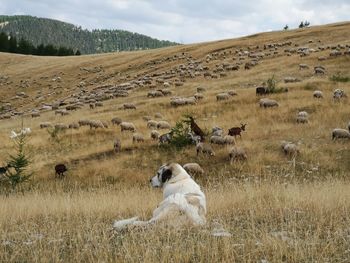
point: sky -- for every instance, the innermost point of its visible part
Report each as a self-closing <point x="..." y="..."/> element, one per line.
<point x="184" y="21"/>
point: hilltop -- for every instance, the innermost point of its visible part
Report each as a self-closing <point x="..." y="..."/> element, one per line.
<point x="49" y="31"/>
<point x="278" y="207"/>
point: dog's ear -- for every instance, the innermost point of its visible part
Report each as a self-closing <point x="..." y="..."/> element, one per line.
<point x="166" y="175"/>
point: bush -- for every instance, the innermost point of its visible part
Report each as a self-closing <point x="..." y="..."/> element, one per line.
<point x="339" y="78"/>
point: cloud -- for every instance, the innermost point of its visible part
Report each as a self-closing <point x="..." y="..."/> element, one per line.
<point x="183" y="20"/>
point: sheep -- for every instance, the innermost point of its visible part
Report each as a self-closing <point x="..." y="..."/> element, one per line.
<point x="217" y="131"/>
<point x="229" y="139"/>
<point x="45" y="125"/>
<point x="147" y="118"/>
<point x="349" y="126"/>
<point x="318" y="94"/>
<point x="237" y="153"/>
<point x="200" y="89"/>
<point x="155" y="135"/>
<point x="232" y="93"/>
<point x="137" y="137"/>
<point x="205" y="149"/>
<point x="154" y="94"/>
<point x="222" y="96"/>
<point x="319" y="70"/>
<point x="302" y="119"/>
<point x="117" y="145"/>
<point x="116" y="121"/>
<point x="60" y="169"/>
<point x="96" y="124"/>
<point x="163" y="125"/>
<point x="266" y="103"/>
<point x="3" y="170"/>
<point x="217" y="140"/>
<point x="198" y="96"/>
<point x="152" y="124"/>
<point x="84" y="122"/>
<point x="92" y="106"/>
<point x="35" y="114"/>
<point x="340" y="134"/>
<point x="235" y="131"/>
<point x="194" y="138"/>
<point x="129" y="106"/>
<point x="73" y="125"/>
<point x="193" y="169"/>
<point x="289" y="148"/>
<point x="158" y="115"/>
<point x="127" y="126"/>
<point x="303" y="114"/>
<point x="105" y="124"/>
<point x="303" y="66"/>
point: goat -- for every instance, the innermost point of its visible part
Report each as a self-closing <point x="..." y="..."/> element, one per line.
<point x="60" y="169"/>
<point x="234" y="131"/>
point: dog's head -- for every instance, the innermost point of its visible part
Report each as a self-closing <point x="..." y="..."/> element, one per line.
<point x="168" y="173"/>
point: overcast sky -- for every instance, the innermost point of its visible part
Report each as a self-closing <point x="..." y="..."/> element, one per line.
<point x="184" y="21"/>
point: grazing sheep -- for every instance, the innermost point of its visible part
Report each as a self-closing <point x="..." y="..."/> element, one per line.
<point x="117" y="145"/>
<point x="303" y="114"/>
<point x="217" y="131"/>
<point x="44" y="125"/>
<point x="237" y="154"/>
<point x="116" y="121"/>
<point x="232" y="93"/>
<point x="318" y="94"/>
<point x="302" y="119"/>
<point x="217" y="140"/>
<point x="198" y="96"/>
<point x="60" y="169"/>
<point x="303" y="66"/>
<point x="92" y="106"/>
<point x="222" y="96"/>
<point x="204" y="148"/>
<point x="165" y="138"/>
<point x="193" y="169"/>
<point x="127" y="126"/>
<point x="194" y="138"/>
<point x="235" y="131"/>
<point x="137" y="137"/>
<point x="200" y="89"/>
<point x="151" y="124"/>
<point x="229" y="139"/>
<point x="147" y="118"/>
<point x="319" y="70"/>
<point x="158" y="115"/>
<point x="289" y="148"/>
<point x="74" y="125"/>
<point x="163" y="125"/>
<point x="155" y="135"/>
<point x="96" y="124"/>
<point x="129" y="106"/>
<point x="154" y="94"/>
<point x="340" y="134"/>
<point x="267" y="103"/>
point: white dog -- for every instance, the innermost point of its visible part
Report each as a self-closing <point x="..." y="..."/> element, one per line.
<point x="183" y="203"/>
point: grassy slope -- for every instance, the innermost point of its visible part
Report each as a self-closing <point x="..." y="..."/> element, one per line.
<point x="309" y="200"/>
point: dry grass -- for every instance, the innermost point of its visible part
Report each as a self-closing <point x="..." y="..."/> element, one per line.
<point x="276" y="209"/>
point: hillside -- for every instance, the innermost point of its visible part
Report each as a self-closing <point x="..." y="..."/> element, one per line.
<point x="278" y="207"/>
<point x="48" y="31"/>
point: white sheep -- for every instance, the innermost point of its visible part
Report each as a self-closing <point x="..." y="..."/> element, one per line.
<point x="96" y="124"/>
<point x="217" y="131"/>
<point x="45" y="125"/>
<point x="129" y="106"/>
<point x="137" y="137"/>
<point x="198" y="96"/>
<point x="222" y="96"/>
<point x="155" y="135"/>
<point x="163" y="125"/>
<point x="74" y="125"/>
<point x="152" y="124"/>
<point x="217" y="140"/>
<point x="340" y="133"/>
<point x="60" y="126"/>
<point x="289" y="148"/>
<point x="158" y="115"/>
<point x="266" y="103"/>
<point x="338" y="94"/>
<point x="193" y="169"/>
<point x="237" y="153"/>
<point x="116" y="121"/>
<point x="229" y="139"/>
<point x="204" y="148"/>
<point x="318" y="94"/>
<point x="147" y="118"/>
<point x="127" y="126"/>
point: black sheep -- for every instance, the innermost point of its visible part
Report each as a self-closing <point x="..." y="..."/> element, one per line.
<point x="60" y="169"/>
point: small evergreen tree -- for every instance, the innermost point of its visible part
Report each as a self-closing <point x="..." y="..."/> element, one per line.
<point x="301" y="25"/>
<point x="18" y="164"/>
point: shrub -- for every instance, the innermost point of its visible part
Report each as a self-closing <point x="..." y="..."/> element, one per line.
<point x="339" y="78"/>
